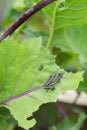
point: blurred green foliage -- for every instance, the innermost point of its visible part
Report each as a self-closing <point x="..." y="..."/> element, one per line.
<point x="68" y="45"/>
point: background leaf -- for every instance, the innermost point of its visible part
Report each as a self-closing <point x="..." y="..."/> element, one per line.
<point x="6" y="120"/>
<point x="76" y="38"/>
<point x="68" y="124"/>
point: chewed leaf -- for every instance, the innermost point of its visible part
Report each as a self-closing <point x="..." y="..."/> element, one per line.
<point x="19" y="66"/>
<point x="21" y="71"/>
<point x="23" y="107"/>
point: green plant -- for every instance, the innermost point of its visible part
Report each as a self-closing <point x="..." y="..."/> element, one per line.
<point x="40" y="49"/>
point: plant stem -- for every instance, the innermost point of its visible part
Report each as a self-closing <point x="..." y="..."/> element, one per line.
<point x="53" y="24"/>
<point x="25" y="16"/>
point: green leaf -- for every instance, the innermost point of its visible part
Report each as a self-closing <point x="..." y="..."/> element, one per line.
<point x="67" y="60"/>
<point x="60" y="41"/>
<point x="25" y="66"/>
<point x="6" y="120"/>
<point x="72" y="40"/>
<point x="14" y="67"/>
<point x="73" y="13"/>
<point x="77" y="39"/>
<point x="83" y="87"/>
<point x="25" y="106"/>
<point x="68" y="124"/>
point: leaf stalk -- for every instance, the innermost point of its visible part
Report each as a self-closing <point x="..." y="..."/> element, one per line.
<point x="24" y="17"/>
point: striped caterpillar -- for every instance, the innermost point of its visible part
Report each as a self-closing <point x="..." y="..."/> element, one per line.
<point x="52" y="80"/>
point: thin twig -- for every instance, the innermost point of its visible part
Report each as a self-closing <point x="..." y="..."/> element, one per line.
<point x="25" y="16"/>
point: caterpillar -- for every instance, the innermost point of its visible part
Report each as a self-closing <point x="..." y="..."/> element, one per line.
<point x="52" y="80"/>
